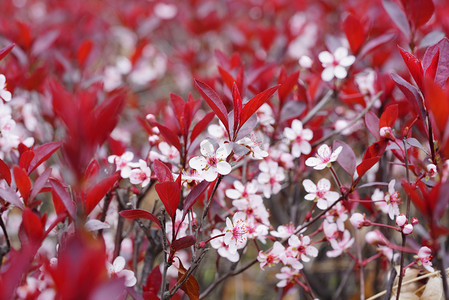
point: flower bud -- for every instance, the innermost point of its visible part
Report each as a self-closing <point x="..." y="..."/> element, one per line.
<point x="407" y="229"/>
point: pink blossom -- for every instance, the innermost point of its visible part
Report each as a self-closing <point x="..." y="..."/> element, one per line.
<point x="299" y="138"/>
<point x="271" y="258"/>
<point x="425" y="258"/>
<point x="393" y="200"/>
<point x="287" y="275"/>
<point x="335" y="64"/>
<point x="270" y="178"/>
<point x="302" y="247"/>
<point x="324" y="157"/>
<point x="340" y="245"/>
<point x="284" y="231"/>
<point x="408" y="229"/>
<point x="223" y="249"/>
<point x="117" y="268"/>
<point x="4" y="93"/>
<point x="141" y="175"/>
<point x="358" y="220"/>
<point x="236" y="232"/>
<point x="320" y="193"/>
<point x="213" y="162"/>
<point x="122" y="163"/>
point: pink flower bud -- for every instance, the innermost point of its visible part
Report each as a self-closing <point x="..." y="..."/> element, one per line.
<point x="386" y="133"/>
<point x="401" y="220"/>
<point x="357" y="220"/>
<point x="415" y="221"/>
<point x="407" y="229"/>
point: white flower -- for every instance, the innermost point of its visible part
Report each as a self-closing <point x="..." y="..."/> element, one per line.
<point x="408" y="229"/>
<point x="305" y="62"/>
<point x="4" y="93"/>
<point x="141" y="175"/>
<point x="212" y="162"/>
<point x="223" y="249"/>
<point x="254" y="146"/>
<point x="401" y="220"/>
<point x="320" y="193"/>
<point x="273" y="257"/>
<point x="425" y="258"/>
<point x="287" y="274"/>
<point x="122" y="163"/>
<point x="299" y="138"/>
<point x="357" y="220"/>
<point x="302" y="246"/>
<point x="340" y="245"/>
<point x="324" y="157"/>
<point x="117" y="269"/>
<point x="270" y="178"/>
<point x="335" y="64"/>
<point x="236" y="232"/>
<point x="393" y="200"/>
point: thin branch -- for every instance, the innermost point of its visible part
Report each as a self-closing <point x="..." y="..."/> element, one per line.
<point x="317" y="107"/>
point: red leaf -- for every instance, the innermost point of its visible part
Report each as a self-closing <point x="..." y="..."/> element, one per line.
<point x="411" y="93"/>
<point x="346" y="159"/>
<point x="32" y="225"/>
<point x="193" y="196"/>
<point x="62" y="200"/>
<point x="287" y="86"/>
<point x="372" y="123"/>
<point x="26" y="158"/>
<point x="398" y="16"/>
<point x="170" y="195"/>
<point x="389" y="116"/>
<point x="214" y="101"/>
<point x="23" y="182"/>
<point x="10" y="196"/>
<point x="414" y="66"/>
<point x="201" y="125"/>
<point x="153" y="284"/>
<point x="371" y="157"/>
<point x="83" y="51"/>
<point x="354" y="32"/>
<point x="169" y="135"/>
<point x="376" y="43"/>
<point x="178" y="105"/>
<point x="5" y="172"/>
<point x="6" y="50"/>
<point x="190" y="286"/>
<point x="420" y="11"/>
<point x="253" y="105"/>
<point x="442" y="72"/>
<point x="92" y="170"/>
<point x="95" y="194"/>
<point x="117" y="147"/>
<point x="437" y="103"/>
<point x="40" y="183"/>
<point x="431" y="70"/>
<point x="42" y="153"/>
<point x="162" y="172"/>
<point x="140" y="214"/>
<point x="227" y="78"/>
<point x="237" y="106"/>
<point x="184" y="242"/>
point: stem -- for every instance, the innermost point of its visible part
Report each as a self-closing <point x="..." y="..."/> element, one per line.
<point x="317" y="107"/>
<point x="4" y="250"/>
<point x="53" y="225"/>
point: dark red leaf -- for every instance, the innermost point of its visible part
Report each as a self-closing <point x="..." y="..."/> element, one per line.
<point x="420" y="11"/>
<point x="95" y="194"/>
<point x="442" y="72"/>
<point x="117" y="147"/>
<point x="372" y="123"/>
<point x="201" y="125"/>
<point x="414" y="66"/>
<point x="411" y="93"/>
<point x="92" y="170"/>
<point x="162" y="172"/>
<point x="287" y="86"/>
<point x="184" y="242"/>
<point x="354" y="32"/>
<point x="6" y="50"/>
<point x="193" y="196"/>
<point x="371" y="157"/>
<point x="140" y="214"/>
<point x="170" y="195"/>
<point x="169" y="135"/>
<point x="347" y="158"/>
<point x="437" y="104"/>
<point x="237" y="106"/>
<point x="5" y="172"/>
<point x="23" y="182"/>
<point x="214" y="101"/>
<point x="431" y="71"/>
<point x="253" y="105"/>
<point x="40" y="183"/>
<point x="61" y="199"/>
<point x="42" y="153"/>
<point x="398" y="16"/>
<point x="389" y="116"/>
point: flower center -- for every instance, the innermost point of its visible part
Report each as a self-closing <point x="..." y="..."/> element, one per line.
<point x="212" y="161"/>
